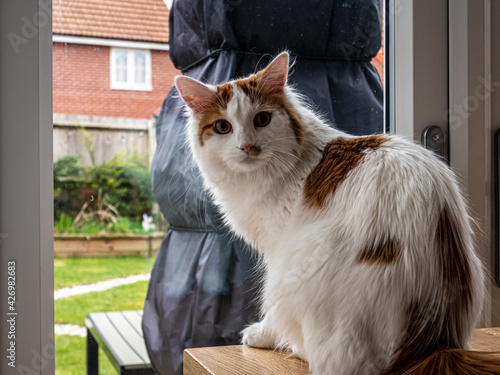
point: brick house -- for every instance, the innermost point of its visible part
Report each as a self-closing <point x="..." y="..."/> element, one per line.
<point x="111" y="73"/>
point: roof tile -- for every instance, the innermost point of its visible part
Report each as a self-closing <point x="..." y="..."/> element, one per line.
<point x="145" y="20"/>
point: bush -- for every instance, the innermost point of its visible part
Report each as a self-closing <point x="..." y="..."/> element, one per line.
<point x="69" y="183"/>
<point x="125" y="183"/>
<point x="65" y="224"/>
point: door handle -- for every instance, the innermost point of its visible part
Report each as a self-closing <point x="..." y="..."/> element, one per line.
<point x="433" y="138"/>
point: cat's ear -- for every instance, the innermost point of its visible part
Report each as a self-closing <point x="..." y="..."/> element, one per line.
<point x="195" y="94"/>
<point x="275" y="75"/>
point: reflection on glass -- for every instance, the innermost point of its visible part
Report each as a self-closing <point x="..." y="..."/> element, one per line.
<point x="121" y="66"/>
<point x="140" y="67"/>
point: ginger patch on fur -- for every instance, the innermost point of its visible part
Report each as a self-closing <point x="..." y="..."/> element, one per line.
<point x="272" y="95"/>
<point x="256" y="150"/>
<point x="340" y="157"/>
<point x="455" y="269"/>
<point x="214" y="111"/>
<point x="432" y="344"/>
<point x="386" y="252"/>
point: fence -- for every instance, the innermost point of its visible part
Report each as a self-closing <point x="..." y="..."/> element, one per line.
<point x="108" y="135"/>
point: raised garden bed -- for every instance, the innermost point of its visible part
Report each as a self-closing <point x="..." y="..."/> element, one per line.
<point x="92" y="245"/>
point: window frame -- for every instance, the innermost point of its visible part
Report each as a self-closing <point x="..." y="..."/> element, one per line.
<point x="26" y="182"/>
<point x="26" y="118"/>
<point x="440" y="50"/>
<point x="130" y="84"/>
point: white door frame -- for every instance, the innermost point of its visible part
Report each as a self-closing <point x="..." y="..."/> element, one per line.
<point x="26" y="203"/>
<point x="470" y="130"/>
<point x="419" y="60"/>
<point x="442" y="59"/>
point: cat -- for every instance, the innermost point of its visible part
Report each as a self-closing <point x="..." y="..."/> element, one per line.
<point x="366" y="242"/>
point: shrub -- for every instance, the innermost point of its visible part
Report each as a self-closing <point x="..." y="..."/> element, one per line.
<point x="65" y="224"/>
<point x="124" y="182"/>
<point x="127" y="185"/>
<point x="69" y="181"/>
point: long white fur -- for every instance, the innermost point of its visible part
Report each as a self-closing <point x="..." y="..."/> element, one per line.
<point x="342" y="316"/>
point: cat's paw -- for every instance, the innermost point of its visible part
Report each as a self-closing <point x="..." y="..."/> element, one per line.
<point x="258" y="337"/>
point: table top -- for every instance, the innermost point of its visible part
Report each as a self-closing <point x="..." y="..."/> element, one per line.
<point x="241" y="360"/>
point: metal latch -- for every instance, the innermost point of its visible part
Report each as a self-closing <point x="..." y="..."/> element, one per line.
<point x="433" y="138"/>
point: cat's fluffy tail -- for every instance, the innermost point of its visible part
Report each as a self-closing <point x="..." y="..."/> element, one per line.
<point x="451" y="362"/>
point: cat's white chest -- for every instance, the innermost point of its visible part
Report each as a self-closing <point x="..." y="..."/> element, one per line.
<point x="260" y="220"/>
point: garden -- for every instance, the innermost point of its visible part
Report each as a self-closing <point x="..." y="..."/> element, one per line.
<point x="114" y="197"/>
<point x="112" y="205"/>
<point x="70" y="310"/>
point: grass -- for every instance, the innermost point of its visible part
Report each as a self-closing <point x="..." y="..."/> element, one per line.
<point x="72" y="310"/>
<point x="73" y="271"/>
<point x="71" y="350"/>
<point x="71" y="357"/>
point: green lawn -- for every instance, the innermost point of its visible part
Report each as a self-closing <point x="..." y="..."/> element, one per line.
<point x="72" y="310"/>
<point x="71" y="357"/>
<point x="73" y="271"/>
<point x="70" y="350"/>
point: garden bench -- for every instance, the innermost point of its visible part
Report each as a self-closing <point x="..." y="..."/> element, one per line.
<point x="241" y="360"/>
<point x="119" y="334"/>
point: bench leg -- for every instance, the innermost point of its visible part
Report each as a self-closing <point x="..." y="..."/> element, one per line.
<point x="92" y="355"/>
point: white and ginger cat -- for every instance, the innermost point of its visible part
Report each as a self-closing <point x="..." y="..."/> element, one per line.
<point x="366" y="241"/>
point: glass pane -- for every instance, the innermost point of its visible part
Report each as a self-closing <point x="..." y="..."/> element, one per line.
<point x="105" y="138"/>
<point x="378" y="60"/>
<point x="121" y="66"/>
<point x="140" y="67"/>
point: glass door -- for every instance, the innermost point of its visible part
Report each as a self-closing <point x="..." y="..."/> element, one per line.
<point x="436" y="55"/>
<point x="471" y="124"/>
<point x="417" y="93"/>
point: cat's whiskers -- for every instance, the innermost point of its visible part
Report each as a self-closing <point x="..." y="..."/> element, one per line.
<point x="190" y="164"/>
<point x="173" y="182"/>
<point x="284" y="152"/>
<point x="289" y="166"/>
<point x="277" y="152"/>
<point x="284" y="180"/>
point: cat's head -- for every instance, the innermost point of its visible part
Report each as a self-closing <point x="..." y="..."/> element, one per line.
<point x="243" y="125"/>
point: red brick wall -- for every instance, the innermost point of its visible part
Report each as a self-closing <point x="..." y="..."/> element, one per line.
<point x="82" y="83"/>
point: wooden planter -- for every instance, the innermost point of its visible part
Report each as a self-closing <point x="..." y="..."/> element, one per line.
<point x="106" y="245"/>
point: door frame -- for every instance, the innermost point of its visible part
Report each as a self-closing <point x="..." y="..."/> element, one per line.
<point x="426" y="82"/>
<point x="442" y="52"/>
<point x="471" y="137"/>
<point x="418" y="86"/>
<point x="26" y="188"/>
<point x="470" y="131"/>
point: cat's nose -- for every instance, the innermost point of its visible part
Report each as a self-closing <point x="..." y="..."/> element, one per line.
<point x="247" y="148"/>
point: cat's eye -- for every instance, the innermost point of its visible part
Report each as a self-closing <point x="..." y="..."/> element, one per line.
<point x="262" y="119"/>
<point x="222" y="127"/>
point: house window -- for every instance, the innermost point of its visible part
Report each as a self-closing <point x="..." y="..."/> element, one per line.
<point x="130" y="69"/>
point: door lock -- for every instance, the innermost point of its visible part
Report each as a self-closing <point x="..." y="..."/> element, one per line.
<point x="433" y="138"/>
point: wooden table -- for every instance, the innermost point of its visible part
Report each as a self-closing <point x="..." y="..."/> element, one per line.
<point x="241" y="360"/>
